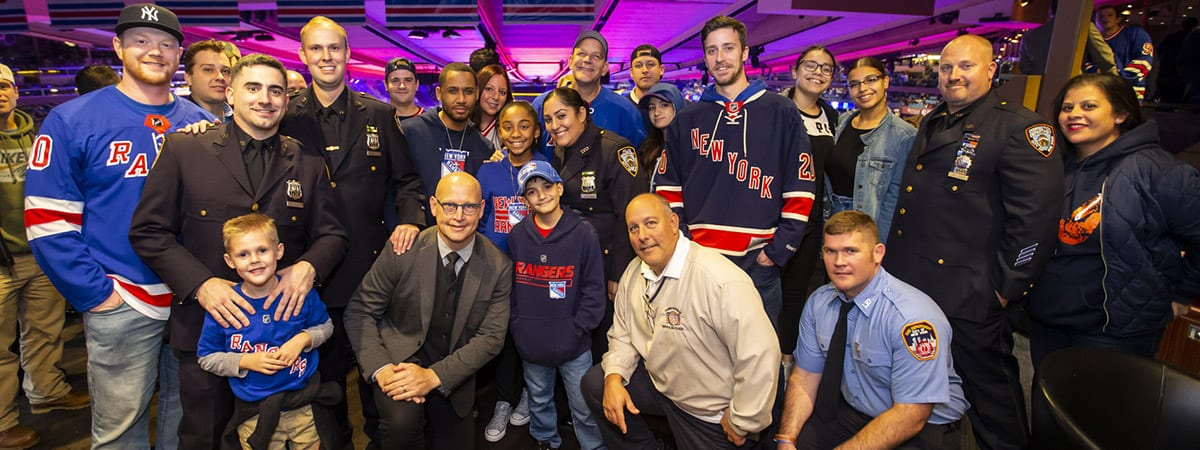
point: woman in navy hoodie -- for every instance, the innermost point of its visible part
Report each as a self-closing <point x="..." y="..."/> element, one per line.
<point x="558" y="298"/>
<point x="1117" y="276"/>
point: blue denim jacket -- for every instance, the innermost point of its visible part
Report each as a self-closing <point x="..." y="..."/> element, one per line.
<point x="877" y="174"/>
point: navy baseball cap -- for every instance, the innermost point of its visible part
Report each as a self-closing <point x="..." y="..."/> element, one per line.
<point x="537" y="168"/>
<point x="646" y="50"/>
<point x="149" y="15"/>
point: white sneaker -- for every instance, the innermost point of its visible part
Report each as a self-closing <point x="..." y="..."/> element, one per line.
<point x="521" y="415"/>
<point x="498" y="426"/>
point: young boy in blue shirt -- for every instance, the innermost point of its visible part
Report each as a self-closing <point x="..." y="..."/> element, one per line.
<point x="557" y="300"/>
<point x="267" y="357"/>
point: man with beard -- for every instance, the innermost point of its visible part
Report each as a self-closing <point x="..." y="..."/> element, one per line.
<point x="371" y="173"/>
<point x="198" y="183"/>
<point x="400" y="76"/>
<point x="745" y="187"/>
<point x="442" y="140"/>
<point x="980" y="195"/>
<point x="206" y="69"/>
<point x="589" y="64"/>
<point x="86" y="172"/>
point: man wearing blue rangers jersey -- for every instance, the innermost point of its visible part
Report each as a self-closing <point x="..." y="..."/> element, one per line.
<point x="1132" y="49"/>
<point x="86" y="172"/>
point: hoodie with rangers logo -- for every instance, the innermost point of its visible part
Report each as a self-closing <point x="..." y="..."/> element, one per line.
<point x="740" y="174"/>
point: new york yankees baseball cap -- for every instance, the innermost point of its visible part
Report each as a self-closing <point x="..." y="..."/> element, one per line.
<point x="149" y="15"/>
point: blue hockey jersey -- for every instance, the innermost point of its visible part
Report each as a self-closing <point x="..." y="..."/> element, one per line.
<point x="502" y="197"/>
<point x="86" y="172"/>
<point x="1133" y="53"/>
<point x="739" y="172"/>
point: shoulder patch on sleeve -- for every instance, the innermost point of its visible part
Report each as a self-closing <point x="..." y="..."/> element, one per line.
<point x="628" y="158"/>
<point x="921" y="340"/>
<point x="1041" y="138"/>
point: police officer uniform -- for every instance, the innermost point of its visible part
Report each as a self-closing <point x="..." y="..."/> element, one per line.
<point x="600" y="176"/>
<point x="199" y="182"/>
<point x="898" y="351"/>
<point x="976" y="216"/>
<point x="370" y="167"/>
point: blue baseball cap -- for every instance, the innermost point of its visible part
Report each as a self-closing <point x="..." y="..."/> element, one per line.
<point x="537" y="168"/>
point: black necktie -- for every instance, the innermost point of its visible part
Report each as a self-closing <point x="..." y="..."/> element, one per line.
<point x="830" y="389"/>
<point x="452" y="257"/>
<point x="255" y="164"/>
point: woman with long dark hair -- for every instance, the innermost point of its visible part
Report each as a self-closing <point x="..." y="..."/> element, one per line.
<point x="1127" y="258"/>
<point x="659" y="107"/>
<point x="870" y="146"/>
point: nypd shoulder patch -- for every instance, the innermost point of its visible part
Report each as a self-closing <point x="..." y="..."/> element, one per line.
<point x="921" y="340"/>
<point x="628" y="158"/>
<point x="1041" y="138"/>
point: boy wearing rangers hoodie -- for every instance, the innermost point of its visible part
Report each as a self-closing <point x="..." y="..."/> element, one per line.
<point x="557" y="300"/>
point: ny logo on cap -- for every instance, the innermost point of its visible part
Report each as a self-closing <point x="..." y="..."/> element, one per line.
<point x="150" y="13"/>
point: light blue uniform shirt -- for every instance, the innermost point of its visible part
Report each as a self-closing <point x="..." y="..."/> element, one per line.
<point x="898" y="345"/>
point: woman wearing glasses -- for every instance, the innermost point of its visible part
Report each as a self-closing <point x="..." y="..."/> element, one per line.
<point x="600" y="175"/>
<point x="863" y="173"/>
<point x="814" y="71"/>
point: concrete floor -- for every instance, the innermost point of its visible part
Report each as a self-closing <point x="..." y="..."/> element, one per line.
<point x="69" y="430"/>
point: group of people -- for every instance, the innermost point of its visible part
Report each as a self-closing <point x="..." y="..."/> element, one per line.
<point x="662" y="258"/>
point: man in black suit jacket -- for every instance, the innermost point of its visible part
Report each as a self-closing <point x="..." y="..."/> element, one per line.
<point x="199" y="182"/>
<point x="424" y="322"/>
<point x="367" y="159"/>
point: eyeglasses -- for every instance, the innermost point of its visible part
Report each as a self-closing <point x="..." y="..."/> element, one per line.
<point x="469" y="209"/>
<point x="870" y="79"/>
<point x="812" y="66"/>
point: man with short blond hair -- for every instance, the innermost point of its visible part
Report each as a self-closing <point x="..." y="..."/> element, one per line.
<point x="86" y="173"/>
<point x="367" y="159"/>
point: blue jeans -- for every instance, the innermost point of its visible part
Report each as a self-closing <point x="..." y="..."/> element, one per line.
<point x="126" y="359"/>
<point x="539" y="380"/>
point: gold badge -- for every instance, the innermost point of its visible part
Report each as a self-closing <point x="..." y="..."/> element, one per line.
<point x="295" y="193"/>
<point x="373" y="141"/>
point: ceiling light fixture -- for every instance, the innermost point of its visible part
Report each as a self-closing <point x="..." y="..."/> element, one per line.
<point x="417" y="34"/>
<point x="451" y="34"/>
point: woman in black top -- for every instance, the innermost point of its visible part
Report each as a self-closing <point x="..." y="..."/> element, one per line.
<point x="814" y="71"/>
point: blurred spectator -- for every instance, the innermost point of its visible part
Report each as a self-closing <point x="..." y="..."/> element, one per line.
<point x="484" y="57"/>
<point x="95" y="77"/>
<point x="1171" y="81"/>
<point x="295" y="82"/>
<point x="1035" y="48"/>
<point x="1131" y="47"/>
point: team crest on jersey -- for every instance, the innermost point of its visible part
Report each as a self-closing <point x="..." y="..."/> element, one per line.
<point x="1041" y="138"/>
<point x="558" y="289"/>
<point x="266" y="318"/>
<point x="733" y="112"/>
<point x="628" y="157"/>
<point x="921" y="340"/>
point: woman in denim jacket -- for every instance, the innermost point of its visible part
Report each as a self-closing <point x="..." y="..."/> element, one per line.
<point x="863" y="173"/>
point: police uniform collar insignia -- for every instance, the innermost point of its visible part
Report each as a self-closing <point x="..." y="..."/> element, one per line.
<point x="1041" y="138"/>
<point x="294" y="193"/>
<point x="628" y="157"/>
<point x="585" y="150"/>
<point x="921" y="340"/>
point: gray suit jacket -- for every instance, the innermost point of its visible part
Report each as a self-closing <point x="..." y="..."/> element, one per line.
<point x="388" y="318"/>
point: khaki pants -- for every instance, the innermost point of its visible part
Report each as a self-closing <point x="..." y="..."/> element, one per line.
<point x="296" y="430"/>
<point x="30" y="302"/>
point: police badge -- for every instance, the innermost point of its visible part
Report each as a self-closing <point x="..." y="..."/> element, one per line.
<point x="587" y="187"/>
<point x="295" y="194"/>
<point x="373" y="141"/>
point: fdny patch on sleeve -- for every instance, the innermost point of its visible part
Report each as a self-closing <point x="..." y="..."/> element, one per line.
<point x="1041" y="138"/>
<point x="921" y="340"/>
<point x="628" y="157"/>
